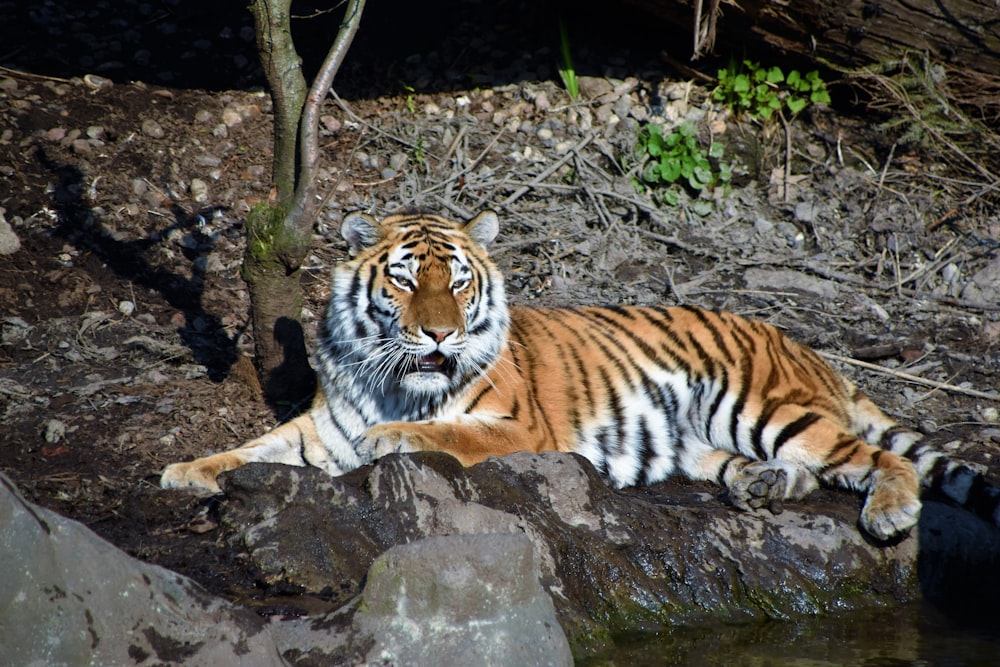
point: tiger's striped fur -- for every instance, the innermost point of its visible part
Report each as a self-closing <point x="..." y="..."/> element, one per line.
<point x="419" y="351"/>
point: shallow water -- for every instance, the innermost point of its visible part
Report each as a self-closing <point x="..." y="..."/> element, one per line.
<point x="915" y="635"/>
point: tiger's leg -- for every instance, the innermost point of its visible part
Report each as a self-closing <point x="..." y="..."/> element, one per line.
<point x="281" y="445"/>
<point x="469" y="439"/>
<point x="841" y="458"/>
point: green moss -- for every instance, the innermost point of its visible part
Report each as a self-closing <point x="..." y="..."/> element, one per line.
<point x="266" y="231"/>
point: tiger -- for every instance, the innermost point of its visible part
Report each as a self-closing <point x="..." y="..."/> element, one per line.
<point x="418" y="349"/>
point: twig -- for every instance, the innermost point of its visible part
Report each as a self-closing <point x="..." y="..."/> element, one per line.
<point x="881" y="181"/>
<point x="816" y="268"/>
<point x="551" y="169"/>
<point x="374" y="128"/>
<point x="787" y="174"/>
<point x="910" y="378"/>
<point x="30" y="75"/>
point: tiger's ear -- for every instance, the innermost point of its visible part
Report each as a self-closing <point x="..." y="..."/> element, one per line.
<point x="361" y="231"/>
<point x="483" y="228"/>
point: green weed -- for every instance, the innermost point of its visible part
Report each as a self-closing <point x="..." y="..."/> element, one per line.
<point x="678" y="158"/>
<point x="566" y="71"/>
<point x="760" y="92"/>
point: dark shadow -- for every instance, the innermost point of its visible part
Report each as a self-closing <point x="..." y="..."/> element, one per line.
<point x="289" y="387"/>
<point x="202" y="331"/>
<point x="428" y="46"/>
<point x="958" y="564"/>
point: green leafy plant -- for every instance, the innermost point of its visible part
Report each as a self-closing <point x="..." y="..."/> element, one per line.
<point x="759" y="92"/>
<point x="566" y="71"/>
<point x="678" y="158"/>
<point x="418" y="155"/>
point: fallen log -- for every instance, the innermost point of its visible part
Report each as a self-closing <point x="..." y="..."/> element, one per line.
<point x="964" y="34"/>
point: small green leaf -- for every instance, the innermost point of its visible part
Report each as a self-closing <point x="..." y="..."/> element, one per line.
<point x="652" y="172"/>
<point x="670" y="170"/>
<point x="715" y="150"/>
<point x="795" y="104"/>
<point x="725" y="172"/>
<point x="775" y="75"/>
<point x="820" y="96"/>
<point x="702" y="207"/>
<point x="741" y="83"/>
<point x="793" y="78"/>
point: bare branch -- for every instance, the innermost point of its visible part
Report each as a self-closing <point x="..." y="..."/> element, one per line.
<point x="304" y="203"/>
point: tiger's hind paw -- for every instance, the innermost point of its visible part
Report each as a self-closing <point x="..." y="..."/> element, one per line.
<point x="892" y="507"/>
<point x="769" y="483"/>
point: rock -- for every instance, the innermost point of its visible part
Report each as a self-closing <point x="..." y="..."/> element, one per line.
<point x="782" y="280"/>
<point x="54" y="431"/>
<point x="613" y="561"/>
<point x="68" y="597"/>
<point x="461" y="600"/>
<point x="9" y="241"/>
<point x="985" y="284"/>
<point x="199" y="190"/>
<point x="153" y="129"/>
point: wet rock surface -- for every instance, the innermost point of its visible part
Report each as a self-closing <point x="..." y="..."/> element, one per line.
<point x="613" y="561"/>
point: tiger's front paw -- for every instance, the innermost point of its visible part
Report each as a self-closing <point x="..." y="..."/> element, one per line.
<point x="390" y="439"/>
<point x="191" y="476"/>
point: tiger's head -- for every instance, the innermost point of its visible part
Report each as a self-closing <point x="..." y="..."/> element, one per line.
<point x="419" y="310"/>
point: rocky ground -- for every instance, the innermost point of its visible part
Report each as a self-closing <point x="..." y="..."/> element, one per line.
<point x="133" y="143"/>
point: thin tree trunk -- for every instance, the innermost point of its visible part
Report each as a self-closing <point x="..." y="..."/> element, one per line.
<point x="279" y="232"/>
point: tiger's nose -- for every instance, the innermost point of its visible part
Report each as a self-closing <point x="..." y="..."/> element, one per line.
<point x="438" y="334"/>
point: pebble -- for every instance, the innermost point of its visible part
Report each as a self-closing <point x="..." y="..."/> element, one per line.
<point x="199" y="190"/>
<point x="541" y="102"/>
<point x="55" y="431"/>
<point x="126" y="308"/>
<point x="231" y="117"/>
<point x="9" y="241"/>
<point x="152" y="129"/>
<point x="805" y="211"/>
<point x="97" y="82"/>
<point x="398" y="161"/>
<point x="207" y="161"/>
<point x="70" y="137"/>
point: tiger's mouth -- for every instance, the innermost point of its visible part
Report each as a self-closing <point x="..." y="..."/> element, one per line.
<point x="434" y="362"/>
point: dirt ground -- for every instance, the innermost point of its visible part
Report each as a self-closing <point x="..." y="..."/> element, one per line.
<point x="125" y="329"/>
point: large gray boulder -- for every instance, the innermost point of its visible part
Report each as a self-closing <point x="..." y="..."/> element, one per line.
<point x="613" y="561"/>
<point x="67" y="597"/>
